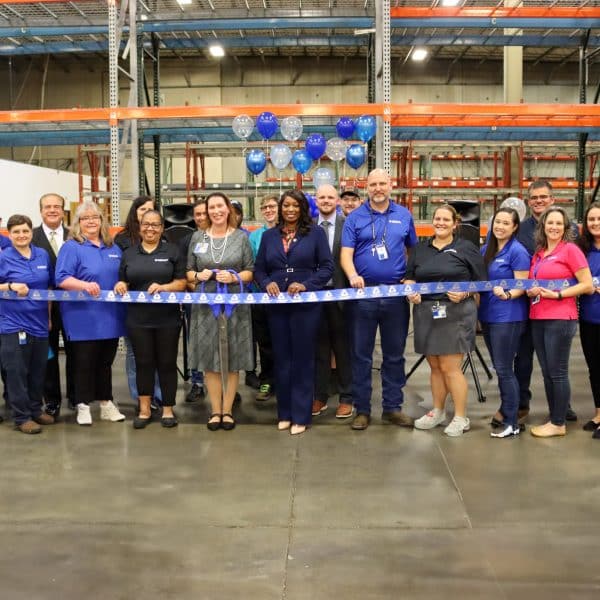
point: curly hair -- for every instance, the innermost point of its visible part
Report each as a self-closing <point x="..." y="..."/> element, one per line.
<point x="304" y="222"/>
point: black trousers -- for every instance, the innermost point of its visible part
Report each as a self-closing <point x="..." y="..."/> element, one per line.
<point x="155" y="350"/>
<point x="590" y="343"/>
<point x="52" y="387"/>
<point x="333" y="337"/>
<point x="93" y="369"/>
<point x="262" y="337"/>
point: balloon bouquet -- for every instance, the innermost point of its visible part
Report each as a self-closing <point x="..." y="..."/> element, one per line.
<point x="315" y="146"/>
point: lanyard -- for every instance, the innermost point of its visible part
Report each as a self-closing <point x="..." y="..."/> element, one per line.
<point x="386" y="214"/>
<point x="542" y="259"/>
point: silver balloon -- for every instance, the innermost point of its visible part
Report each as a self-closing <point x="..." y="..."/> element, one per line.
<point x="280" y="156"/>
<point x="516" y="204"/>
<point x="336" y="149"/>
<point x="291" y="129"/>
<point x="323" y="176"/>
<point x="242" y="126"/>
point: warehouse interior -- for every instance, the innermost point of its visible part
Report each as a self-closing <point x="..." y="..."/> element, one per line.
<point x="129" y="92"/>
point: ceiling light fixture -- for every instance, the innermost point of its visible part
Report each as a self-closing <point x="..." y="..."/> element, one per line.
<point x="216" y="50"/>
<point x="419" y="54"/>
<point x="450" y="2"/>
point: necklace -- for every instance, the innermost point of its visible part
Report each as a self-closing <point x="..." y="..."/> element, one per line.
<point x="215" y="248"/>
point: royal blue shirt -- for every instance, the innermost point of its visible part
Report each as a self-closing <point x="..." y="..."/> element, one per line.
<point x="365" y="229"/>
<point x="513" y="257"/>
<point x="4" y="242"/>
<point x="30" y="316"/>
<point x="91" y="320"/>
<point x="589" y="306"/>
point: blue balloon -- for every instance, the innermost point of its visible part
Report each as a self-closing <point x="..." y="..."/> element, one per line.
<point x="312" y="206"/>
<point x="315" y="145"/>
<point x="345" y="127"/>
<point x="301" y="161"/>
<point x="355" y="155"/>
<point x="256" y="161"/>
<point x="267" y="124"/>
<point x="366" y="127"/>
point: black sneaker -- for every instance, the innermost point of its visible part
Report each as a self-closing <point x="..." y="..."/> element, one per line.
<point x="571" y="415"/>
<point x="252" y="380"/>
<point x="195" y="394"/>
<point x="265" y="392"/>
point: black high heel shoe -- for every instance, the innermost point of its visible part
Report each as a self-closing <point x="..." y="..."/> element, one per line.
<point x="214" y="425"/>
<point x="227" y="425"/>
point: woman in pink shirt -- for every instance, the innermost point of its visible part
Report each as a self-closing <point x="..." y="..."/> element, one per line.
<point x="553" y="313"/>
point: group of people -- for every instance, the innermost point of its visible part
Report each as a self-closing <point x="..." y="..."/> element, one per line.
<point x="308" y="349"/>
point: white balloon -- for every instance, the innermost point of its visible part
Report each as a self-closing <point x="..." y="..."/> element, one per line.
<point x="242" y="126"/>
<point x="280" y="156"/>
<point x="517" y="204"/>
<point x="336" y="149"/>
<point x="323" y="176"/>
<point x="291" y="129"/>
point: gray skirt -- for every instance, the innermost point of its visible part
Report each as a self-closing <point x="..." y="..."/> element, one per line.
<point x="453" y="335"/>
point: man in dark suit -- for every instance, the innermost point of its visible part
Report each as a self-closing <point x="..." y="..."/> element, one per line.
<point x="50" y="236"/>
<point x="333" y="331"/>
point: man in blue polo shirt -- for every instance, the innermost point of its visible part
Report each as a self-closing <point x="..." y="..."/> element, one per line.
<point x="375" y="240"/>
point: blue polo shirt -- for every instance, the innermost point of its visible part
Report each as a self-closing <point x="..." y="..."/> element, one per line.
<point x="513" y="257"/>
<point x="30" y="316"/>
<point x="5" y="242"/>
<point x="91" y="320"/>
<point x="364" y="229"/>
<point x="589" y="306"/>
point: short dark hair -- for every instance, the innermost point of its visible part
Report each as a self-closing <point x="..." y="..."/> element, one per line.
<point x="538" y="185"/>
<point x="48" y="195"/>
<point x="304" y="222"/>
<point x="15" y="220"/>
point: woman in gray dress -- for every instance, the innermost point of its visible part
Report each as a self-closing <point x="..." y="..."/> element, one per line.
<point x="213" y="254"/>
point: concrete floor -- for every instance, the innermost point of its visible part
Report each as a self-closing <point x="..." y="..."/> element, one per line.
<point x="113" y="513"/>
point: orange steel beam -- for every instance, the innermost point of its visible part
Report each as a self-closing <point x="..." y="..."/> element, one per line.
<point x="411" y="114"/>
<point x="524" y="12"/>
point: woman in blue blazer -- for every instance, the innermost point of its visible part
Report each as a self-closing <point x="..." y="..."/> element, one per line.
<point x="294" y="257"/>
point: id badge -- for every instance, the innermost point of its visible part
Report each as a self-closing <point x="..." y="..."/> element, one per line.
<point x="536" y="299"/>
<point x="382" y="253"/>
<point x="438" y="311"/>
<point x="22" y="338"/>
<point x="201" y="248"/>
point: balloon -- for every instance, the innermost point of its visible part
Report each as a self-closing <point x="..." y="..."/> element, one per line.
<point x="301" y="161"/>
<point x="323" y="176"/>
<point x="256" y="161"/>
<point x="291" y="129"/>
<point x="366" y="127"/>
<point x="336" y="149"/>
<point x="242" y="126"/>
<point x="312" y="206"/>
<point x="280" y="156"/>
<point x="355" y="155"/>
<point x="315" y="145"/>
<point x="345" y="127"/>
<point x="517" y="204"/>
<point x="267" y="124"/>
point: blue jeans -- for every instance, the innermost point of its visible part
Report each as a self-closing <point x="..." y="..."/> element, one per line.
<point x="25" y="366"/>
<point x="503" y="340"/>
<point x="524" y="367"/>
<point x="391" y="315"/>
<point x="552" y="342"/>
<point x="131" y="375"/>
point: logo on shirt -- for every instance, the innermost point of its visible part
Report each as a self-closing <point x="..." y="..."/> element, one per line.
<point x="42" y="267"/>
<point x="450" y="250"/>
<point x="161" y="260"/>
<point x="395" y="221"/>
<point x="113" y="256"/>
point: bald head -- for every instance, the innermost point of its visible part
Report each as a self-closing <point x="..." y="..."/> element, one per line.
<point x="327" y="199"/>
<point x="379" y="187"/>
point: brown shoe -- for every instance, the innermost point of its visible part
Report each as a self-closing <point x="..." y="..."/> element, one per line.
<point x="318" y="407"/>
<point x="44" y="419"/>
<point x="361" y="422"/>
<point x="344" y="411"/>
<point x="397" y="417"/>
<point x="29" y="427"/>
<point x="522" y="415"/>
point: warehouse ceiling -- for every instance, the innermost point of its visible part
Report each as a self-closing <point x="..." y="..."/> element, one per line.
<point x="294" y="28"/>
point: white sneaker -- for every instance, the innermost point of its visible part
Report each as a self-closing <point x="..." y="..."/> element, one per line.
<point x="109" y="412"/>
<point x="457" y="426"/>
<point x="508" y="431"/>
<point x="84" y="416"/>
<point x="432" y="419"/>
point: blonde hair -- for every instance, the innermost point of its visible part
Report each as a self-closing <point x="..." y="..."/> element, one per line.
<point x="75" y="229"/>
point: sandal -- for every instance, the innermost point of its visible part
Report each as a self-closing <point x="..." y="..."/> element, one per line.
<point x="227" y="425"/>
<point x="214" y="425"/>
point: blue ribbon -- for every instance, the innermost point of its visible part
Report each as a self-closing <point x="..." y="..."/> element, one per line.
<point x="224" y="301"/>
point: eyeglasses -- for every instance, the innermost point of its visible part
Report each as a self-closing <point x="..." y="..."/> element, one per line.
<point x="541" y="197"/>
<point x="151" y="225"/>
<point x="94" y="218"/>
